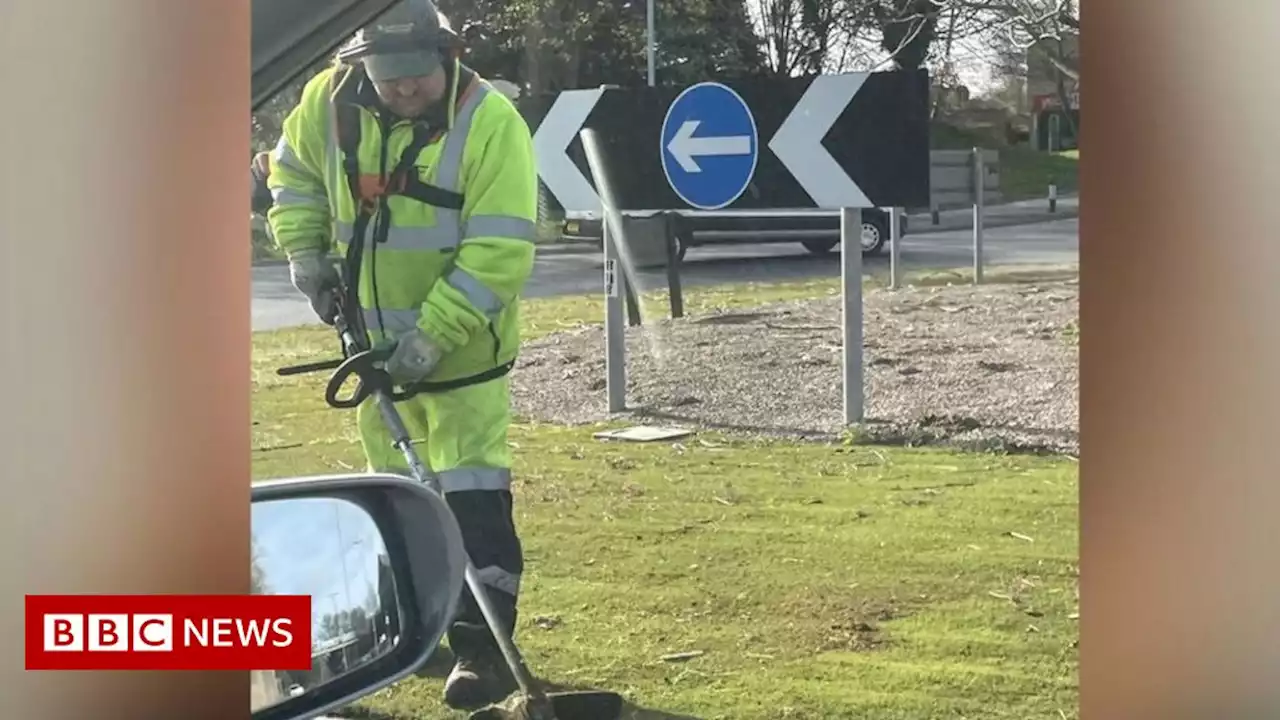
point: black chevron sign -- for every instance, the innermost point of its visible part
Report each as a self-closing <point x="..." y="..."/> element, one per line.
<point x="830" y="141"/>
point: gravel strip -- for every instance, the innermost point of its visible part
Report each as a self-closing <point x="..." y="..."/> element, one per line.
<point x="992" y="367"/>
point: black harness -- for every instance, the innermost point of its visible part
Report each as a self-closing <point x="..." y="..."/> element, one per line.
<point x="371" y="199"/>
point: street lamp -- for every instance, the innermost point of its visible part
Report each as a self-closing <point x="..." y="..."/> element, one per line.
<point x="342" y="551"/>
<point x="651" y="41"/>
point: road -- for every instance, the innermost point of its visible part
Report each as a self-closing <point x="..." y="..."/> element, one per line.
<point x="277" y="305"/>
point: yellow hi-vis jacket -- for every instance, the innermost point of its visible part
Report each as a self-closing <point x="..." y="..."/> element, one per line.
<point x="454" y="272"/>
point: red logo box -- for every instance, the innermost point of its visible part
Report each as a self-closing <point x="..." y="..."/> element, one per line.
<point x="168" y="632"/>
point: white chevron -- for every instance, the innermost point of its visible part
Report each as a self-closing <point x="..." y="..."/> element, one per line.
<point x="798" y="142"/>
<point x="551" y="141"/>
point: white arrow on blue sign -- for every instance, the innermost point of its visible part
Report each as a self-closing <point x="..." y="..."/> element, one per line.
<point x="709" y="146"/>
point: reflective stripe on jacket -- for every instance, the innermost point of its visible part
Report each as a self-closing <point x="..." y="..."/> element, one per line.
<point x="456" y="274"/>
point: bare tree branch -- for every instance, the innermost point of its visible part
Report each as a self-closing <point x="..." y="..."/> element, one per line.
<point x="1059" y="63"/>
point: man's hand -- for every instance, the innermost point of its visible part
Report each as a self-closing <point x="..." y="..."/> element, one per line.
<point x="415" y="357"/>
<point x="260" y="199"/>
<point x="317" y="278"/>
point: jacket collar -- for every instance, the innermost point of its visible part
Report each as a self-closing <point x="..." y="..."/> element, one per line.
<point x="364" y="94"/>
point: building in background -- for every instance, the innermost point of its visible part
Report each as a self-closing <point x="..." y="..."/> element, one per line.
<point x="1054" y="126"/>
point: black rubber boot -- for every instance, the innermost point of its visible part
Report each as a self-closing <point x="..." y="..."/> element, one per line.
<point x="476" y="683"/>
<point x="480" y="676"/>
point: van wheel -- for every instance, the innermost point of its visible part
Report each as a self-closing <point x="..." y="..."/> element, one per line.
<point x="875" y="231"/>
<point x="820" y="247"/>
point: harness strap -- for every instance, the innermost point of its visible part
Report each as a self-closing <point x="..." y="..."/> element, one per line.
<point x="401" y="181"/>
<point x="348" y="122"/>
<point x="406" y="182"/>
<point x="444" y="385"/>
<point x="413" y="187"/>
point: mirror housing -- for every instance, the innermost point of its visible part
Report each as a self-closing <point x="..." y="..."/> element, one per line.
<point x="424" y="549"/>
<point x="288" y="36"/>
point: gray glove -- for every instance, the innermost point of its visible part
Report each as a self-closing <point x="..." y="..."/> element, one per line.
<point x="316" y="277"/>
<point x="415" y="357"/>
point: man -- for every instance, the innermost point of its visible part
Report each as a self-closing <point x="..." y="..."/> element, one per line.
<point x="259" y="197"/>
<point x="260" y="193"/>
<point x="423" y="176"/>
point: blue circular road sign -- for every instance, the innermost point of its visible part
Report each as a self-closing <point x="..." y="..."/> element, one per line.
<point x="709" y="146"/>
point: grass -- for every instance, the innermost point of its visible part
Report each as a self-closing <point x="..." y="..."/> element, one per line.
<point x="818" y="581"/>
<point x="1026" y="173"/>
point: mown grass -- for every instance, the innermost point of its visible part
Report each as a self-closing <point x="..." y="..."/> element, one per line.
<point x="1026" y="173"/>
<point x="817" y="581"/>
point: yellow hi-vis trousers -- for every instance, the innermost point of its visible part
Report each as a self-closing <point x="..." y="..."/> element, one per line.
<point x="461" y="435"/>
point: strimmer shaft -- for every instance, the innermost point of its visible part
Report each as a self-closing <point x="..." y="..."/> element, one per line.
<point x="540" y="705"/>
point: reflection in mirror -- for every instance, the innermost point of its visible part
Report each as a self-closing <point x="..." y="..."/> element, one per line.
<point x="330" y="549"/>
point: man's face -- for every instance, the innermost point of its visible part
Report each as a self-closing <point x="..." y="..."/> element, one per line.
<point x="409" y="97"/>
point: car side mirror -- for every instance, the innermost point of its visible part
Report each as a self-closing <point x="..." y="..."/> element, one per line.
<point x="381" y="557"/>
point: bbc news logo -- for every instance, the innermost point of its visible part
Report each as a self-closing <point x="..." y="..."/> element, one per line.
<point x="168" y="632"/>
<point x="98" y="633"/>
<point x="143" y="632"/>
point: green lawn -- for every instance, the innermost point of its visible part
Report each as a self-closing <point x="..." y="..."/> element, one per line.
<point x="818" y="581"/>
<point x="1026" y="174"/>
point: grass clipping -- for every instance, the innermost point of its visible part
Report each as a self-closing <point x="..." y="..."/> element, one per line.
<point x="991" y="367"/>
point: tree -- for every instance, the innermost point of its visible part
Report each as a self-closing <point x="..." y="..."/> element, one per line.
<point x="1045" y="25"/>
<point x="688" y="53"/>
<point x="331" y="626"/>
<point x="1014" y="25"/>
<point x="257" y="575"/>
<point x="565" y="44"/>
<point x="551" y="45"/>
<point x="1047" y="30"/>
<point x="907" y="29"/>
<point x="1015" y="39"/>
<point x="805" y="37"/>
<point x="358" y="621"/>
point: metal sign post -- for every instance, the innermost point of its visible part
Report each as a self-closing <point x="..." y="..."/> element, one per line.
<point x="979" y="202"/>
<point x="615" y="279"/>
<point x="673" y="227"/>
<point x="895" y="247"/>
<point x="615" y="326"/>
<point x="851" y="312"/>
